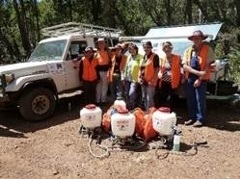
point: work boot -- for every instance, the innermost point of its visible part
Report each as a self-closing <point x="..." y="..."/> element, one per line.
<point x="189" y="122"/>
<point x="197" y="124"/>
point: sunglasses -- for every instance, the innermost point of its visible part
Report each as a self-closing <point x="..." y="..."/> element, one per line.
<point x="88" y="51"/>
<point x="147" y="47"/>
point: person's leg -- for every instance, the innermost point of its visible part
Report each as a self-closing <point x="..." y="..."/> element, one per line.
<point x="191" y="100"/>
<point x="87" y="92"/>
<point x="92" y="92"/>
<point x="144" y="95"/>
<point x="165" y="92"/>
<point x="150" y="94"/>
<point x="201" y="102"/>
<point x="99" y="89"/>
<point x="132" y="95"/>
<point x="126" y="92"/>
<point x="119" y="88"/>
<point x="113" y="86"/>
<point x="84" y="92"/>
<point x="104" y="87"/>
<point x="173" y="98"/>
<point x="157" y="97"/>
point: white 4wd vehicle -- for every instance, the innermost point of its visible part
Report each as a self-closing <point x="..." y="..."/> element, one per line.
<point x="34" y="86"/>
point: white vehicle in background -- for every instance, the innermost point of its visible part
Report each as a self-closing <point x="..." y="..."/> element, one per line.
<point x="35" y="86"/>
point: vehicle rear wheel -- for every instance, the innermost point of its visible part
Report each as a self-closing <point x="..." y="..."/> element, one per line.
<point x="37" y="104"/>
<point x="236" y="104"/>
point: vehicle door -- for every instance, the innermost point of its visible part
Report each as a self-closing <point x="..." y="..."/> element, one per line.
<point x="71" y="63"/>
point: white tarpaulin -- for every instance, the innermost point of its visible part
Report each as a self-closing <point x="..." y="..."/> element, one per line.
<point x="183" y="31"/>
<point x="178" y="36"/>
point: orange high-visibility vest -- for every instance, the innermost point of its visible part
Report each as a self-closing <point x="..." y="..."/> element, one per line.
<point x="149" y="75"/>
<point x="122" y="65"/>
<point x="103" y="57"/>
<point x="89" y="69"/>
<point x="202" y="60"/>
<point x="175" y="70"/>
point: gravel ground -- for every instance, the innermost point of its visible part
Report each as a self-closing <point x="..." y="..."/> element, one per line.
<point x="54" y="149"/>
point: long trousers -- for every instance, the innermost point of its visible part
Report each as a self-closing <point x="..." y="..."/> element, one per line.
<point x="102" y="87"/>
<point x="196" y="101"/>
<point x="148" y="93"/>
<point x="89" y="91"/>
<point x="116" y="88"/>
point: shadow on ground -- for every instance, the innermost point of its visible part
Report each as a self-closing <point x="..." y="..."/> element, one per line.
<point x="220" y="116"/>
<point x="13" y="125"/>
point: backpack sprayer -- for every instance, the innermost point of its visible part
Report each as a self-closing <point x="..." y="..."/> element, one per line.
<point x="123" y="130"/>
<point x="164" y="122"/>
<point x="123" y="124"/>
<point x="122" y="135"/>
<point x="91" y="117"/>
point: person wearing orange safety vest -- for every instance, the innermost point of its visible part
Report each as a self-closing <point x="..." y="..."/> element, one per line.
<point x="88" y="74"/>
<point x="104" y="63"/>
<point x="169" y="77"/>
<point x="148" y="75"/>
<point x="118" y="63"/>
<point x="196" y="64"/>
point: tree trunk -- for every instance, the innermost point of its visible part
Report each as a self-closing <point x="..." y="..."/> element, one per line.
<point x="169" y="11"/>
<point x="189" y="11"/>
<point x="202" y="8"/>
<point x="96" y="9"/>
<point x="37" y="20"/>
<point x="21" y="19"/>
<point x="237" y="5"/>
<point x="8" y="44"/>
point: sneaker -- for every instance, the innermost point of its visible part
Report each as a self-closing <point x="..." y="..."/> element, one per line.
<point x="189" y="122"/>
<point x="197" y="124"/>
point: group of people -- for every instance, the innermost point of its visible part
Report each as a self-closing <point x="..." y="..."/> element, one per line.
<point x="148" y="79"/>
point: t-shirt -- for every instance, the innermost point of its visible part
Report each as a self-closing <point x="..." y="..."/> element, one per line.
<point x="167" y="72"/>
<point x="117" y="65"/>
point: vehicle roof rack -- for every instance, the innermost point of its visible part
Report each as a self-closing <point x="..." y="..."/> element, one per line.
<point x="74" y="28"/>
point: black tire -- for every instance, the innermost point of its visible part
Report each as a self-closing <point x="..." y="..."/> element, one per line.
<point x="236" y="105"/>
<point x="226" y="88"/>
<point x="37" y="104"/>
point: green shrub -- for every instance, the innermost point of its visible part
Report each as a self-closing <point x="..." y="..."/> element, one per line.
<point x="234" y="61"/>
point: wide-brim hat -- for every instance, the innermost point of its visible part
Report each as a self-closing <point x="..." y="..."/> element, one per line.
<point x="119" y="46"/>
<point x="100" y="40"/>
<point x="89" y="48"/>
<point x="198" y="33"/>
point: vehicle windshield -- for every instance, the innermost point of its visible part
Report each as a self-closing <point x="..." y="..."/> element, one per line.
<point x="48" y="51"/>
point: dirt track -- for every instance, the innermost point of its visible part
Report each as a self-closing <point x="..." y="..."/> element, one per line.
<point x="54" y="149"/>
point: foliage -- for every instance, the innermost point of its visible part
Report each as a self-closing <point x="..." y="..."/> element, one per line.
<point x="234" y="57"/>
<point x="22" y="20"/>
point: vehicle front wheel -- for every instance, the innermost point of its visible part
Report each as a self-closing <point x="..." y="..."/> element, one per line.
<point x="37" y="104"/>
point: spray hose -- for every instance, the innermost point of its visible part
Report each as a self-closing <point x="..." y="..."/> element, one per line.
<point x="98" y="142"/>
<point x="134" y="144"/>
<point x="193" y="151"/>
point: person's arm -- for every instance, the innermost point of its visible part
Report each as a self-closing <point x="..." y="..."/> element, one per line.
<point x="97" y="71"/>
<point x="156" y="65"/>
<point x="80" y="70"/>
<point x="124" y="71"/>
<point x="209" y="60"/>
<point x="188" y="68"/>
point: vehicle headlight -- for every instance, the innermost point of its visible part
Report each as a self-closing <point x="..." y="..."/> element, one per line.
<point x="9" y="77"/>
